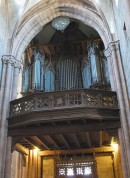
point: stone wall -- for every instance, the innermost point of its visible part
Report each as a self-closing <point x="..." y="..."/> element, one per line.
<point x="121" y="17"/>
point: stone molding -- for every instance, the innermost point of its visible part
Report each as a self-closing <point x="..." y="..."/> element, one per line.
<point x="11" y="59"/>
<point x="112" y="46"/>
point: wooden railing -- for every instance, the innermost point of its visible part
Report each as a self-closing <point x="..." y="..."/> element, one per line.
<point x="63" y="99"/>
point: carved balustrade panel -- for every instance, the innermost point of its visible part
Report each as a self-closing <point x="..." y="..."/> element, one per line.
<point x="75" y="98"/>
<point x="60" y="100"/>
<point x="42" y="102"/>
<point x="108" y="101"/>
<point x="92" y="99"/>
<point x="22" y="105"/>
<point x="64" y="99"/>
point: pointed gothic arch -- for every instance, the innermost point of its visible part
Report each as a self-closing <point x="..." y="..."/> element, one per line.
<point x="36" y="18"/>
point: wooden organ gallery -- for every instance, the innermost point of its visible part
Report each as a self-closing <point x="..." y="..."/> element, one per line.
<point x="66" y="66"/>
<point x="67" y="115"/>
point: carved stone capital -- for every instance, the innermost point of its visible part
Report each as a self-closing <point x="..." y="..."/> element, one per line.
<point x="11" y="59"/>
<point x="107" y="52"/>
<point x="17" y="64"/>
<point x="8" y="59"/>
<point x="112" y="46"/>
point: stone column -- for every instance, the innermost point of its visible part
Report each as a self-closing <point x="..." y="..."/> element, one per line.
<point x="122" y="153"/>
<point x="107" y="53"/>
<point x="7" y="80"/>
<point x="8" y="61"/>
<point x="8" y="158"/>
<point x="121" y="89"/>
<point x="2" y="84"/>
<point x="17" y="67"/>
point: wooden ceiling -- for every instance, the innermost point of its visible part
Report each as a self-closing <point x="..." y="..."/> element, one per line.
<point x="48" y="136"/>
<point x="67" y="141"/>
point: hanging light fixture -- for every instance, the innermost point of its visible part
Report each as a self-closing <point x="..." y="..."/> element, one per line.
<point x="61" y="23"/>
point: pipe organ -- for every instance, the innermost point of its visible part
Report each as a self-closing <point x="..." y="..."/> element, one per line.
<point x="65" y="67"/>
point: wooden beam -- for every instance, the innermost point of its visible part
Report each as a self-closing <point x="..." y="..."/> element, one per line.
<point x="88" y="139"/>
<point x="40" y="142"/>
<point x="100" y="138"/>
<point x="53" y="52"/>
<point x="76" y="140"/>
<point x="62" y="129"/>
<point x="32" y="142"/>
<point x="53" y="141"/>
<point x="106" y="149"/>
<point x="47" y="50"/>
<point x="65" y="114"/>
<point x="21" y="149"/>
<point x="44" y="143"/>
<point x="65" y="141"/>
<point x="59" y="44"/>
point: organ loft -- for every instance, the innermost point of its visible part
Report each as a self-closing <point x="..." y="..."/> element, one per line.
<point x="64" y="89"/>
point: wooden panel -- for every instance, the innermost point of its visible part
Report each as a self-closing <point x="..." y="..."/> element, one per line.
<point x="65" y="115"/>
<point x="47" y="50"/>
<point x="77" y="151"/>
<point x="61" y="129"/>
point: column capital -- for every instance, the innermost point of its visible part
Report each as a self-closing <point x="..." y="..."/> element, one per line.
<point x="8" y="59"/>
<point x="11" y="59"/>
<point x="112" y="46"/>
<point x="17" y="64"/>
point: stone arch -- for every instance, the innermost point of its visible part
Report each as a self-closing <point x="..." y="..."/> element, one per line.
<point x="31" y="27"/>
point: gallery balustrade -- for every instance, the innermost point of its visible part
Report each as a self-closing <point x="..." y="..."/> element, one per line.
<point x="63" y="99"/>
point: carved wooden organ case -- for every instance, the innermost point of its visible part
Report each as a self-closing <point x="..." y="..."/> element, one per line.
<point x="65" y="66"/>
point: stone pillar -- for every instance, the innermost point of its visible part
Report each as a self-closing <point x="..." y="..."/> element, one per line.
<point x="17" y="66"/>
<point x="107" y="53"/>
<point x="121" y="89"/>
<point x="7" y="80"/>
<point x="8" y="158"/>
<point x="2" y="82"/>
<point x="122" y="153"/>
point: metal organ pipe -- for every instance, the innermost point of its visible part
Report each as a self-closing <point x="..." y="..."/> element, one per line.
<point x="70" y="76"/>
<point x="72" y="79"/>
<point x="68" y="73"/>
